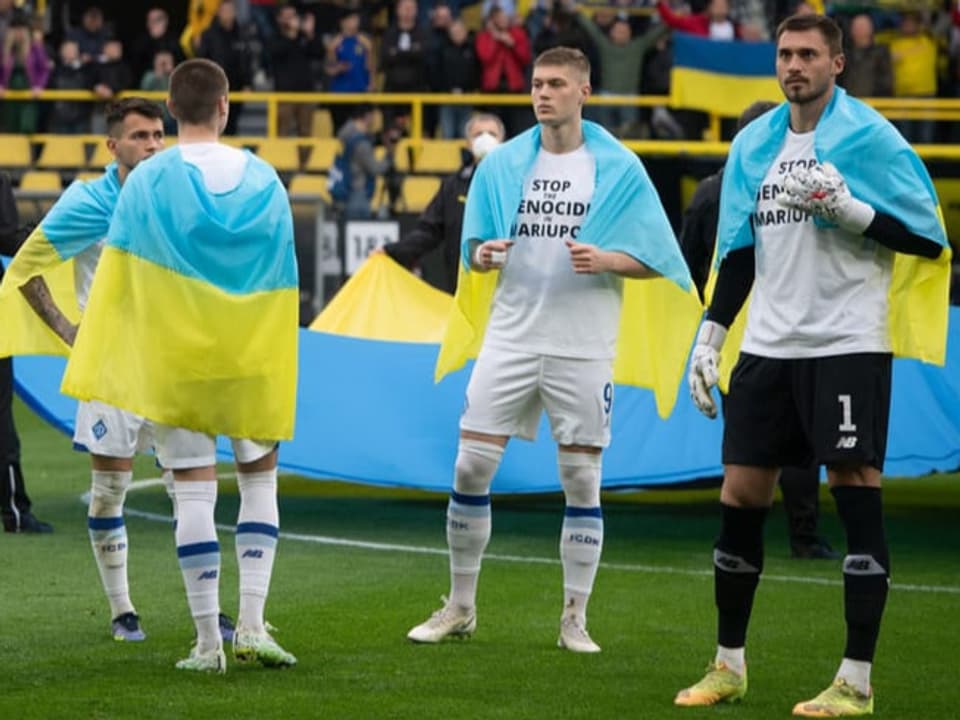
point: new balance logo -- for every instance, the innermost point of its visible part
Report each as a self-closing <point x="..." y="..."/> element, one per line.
<point x="208" y="575"/>
<point x="252" y="554"/>
<point x="99" y="429"/>
<point x="847" y="442"/>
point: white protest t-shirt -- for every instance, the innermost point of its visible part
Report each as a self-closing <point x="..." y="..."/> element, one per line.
<point x="222" y="166"/>
<point x="84" y="268"/>
<point x="817" y="291"/>
<point x="541" y="305"/>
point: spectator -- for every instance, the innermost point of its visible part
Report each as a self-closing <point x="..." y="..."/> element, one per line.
<point x="868" y="71"/>
<point x="157" y="36"/>
<point x="458" y="74"/>
<point x="112" y="73"/>
<point x="224" y="43"/>
<point x="621" y="67"/>
<point x="91" y="36"/>
<point x="441" y="18"/>
<point x="7" y="13"/>
<point x="914" y="55"/>
<point x="71" y="117"/>
<point x="356" y="137"/>
<point x="291" y="51"/>
<point x="403" y="59"/>
<point x="24" y="65"/>
<point x="714" y="22"/>
<point x="349" y="64"/>
<point x="441" y="222"/>
<point x="503" y="54"/>
<point x="158" y="80"/>
<point x="550" y="27"/>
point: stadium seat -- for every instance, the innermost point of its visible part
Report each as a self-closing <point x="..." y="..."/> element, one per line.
<point x="322" y="153"/>
<point x="62" y="152"/>
<point x="41" y="180"/>
<point x="418" y="192"/>
<point x="439" y="156"/>
<point x="309" y="185"/>
<point x="15" y="152"/>
<point x="282" y="153"/>
<point x="322" y="126"/>
<point x="44" y="186"/>
<point x="101" y="156"/>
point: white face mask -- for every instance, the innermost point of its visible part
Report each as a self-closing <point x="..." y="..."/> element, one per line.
<point x="482" y="144"/>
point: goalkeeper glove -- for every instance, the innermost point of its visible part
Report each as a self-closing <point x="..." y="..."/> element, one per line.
<point x="822" y="191"/>
<point x="704" y="364"/>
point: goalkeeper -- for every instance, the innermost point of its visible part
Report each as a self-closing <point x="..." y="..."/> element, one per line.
<point x="831" y="219"/>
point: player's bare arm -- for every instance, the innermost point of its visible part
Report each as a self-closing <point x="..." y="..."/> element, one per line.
<point x="38" y="296"/>
<point x="589" y="259"/>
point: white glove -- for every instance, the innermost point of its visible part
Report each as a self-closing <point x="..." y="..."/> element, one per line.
<point x="704" y="366"/>
<point x="822" y="191"/>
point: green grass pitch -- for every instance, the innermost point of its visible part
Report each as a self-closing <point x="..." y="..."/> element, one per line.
<point x="344" y="607"/>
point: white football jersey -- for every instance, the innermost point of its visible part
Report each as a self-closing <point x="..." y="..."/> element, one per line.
<point x="541" y="305"/>
<point x="817" y="291"/>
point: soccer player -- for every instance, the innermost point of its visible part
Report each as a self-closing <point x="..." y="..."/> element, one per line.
<point x="558" y="211"/>
<point x="199" y="269"/>
<point x="76" y="227"/>
<point x="831" y="218"/>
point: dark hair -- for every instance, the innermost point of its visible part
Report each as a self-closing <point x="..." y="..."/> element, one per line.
<point x="753" y="112"/>
<point x="830" y="31"/>
<point x="196" y="87"/>
<point x="117" y="111"/>
<point x="360" y="110"/>
<point x="564" y="57"/>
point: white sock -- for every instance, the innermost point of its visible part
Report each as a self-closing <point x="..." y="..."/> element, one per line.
<point x="199" y="555"/>
<point x="108" y="536"/>
<point x="468" y="517"/>
<point x="581" y="536"/>
<point x="733" y="658"/>
<point x="856" y="673"/>
<point x="257" y="531"/>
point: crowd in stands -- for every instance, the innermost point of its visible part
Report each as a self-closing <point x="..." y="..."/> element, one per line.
<point x="348" y="46"/>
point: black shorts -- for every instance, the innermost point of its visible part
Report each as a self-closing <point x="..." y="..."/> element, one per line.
<point x="830" y="410"/>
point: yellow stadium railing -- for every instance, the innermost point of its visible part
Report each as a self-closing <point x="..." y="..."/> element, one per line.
<point x="893" y="108"/>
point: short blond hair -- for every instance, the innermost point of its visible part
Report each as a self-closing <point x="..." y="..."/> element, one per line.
<point x="564" y="57"/>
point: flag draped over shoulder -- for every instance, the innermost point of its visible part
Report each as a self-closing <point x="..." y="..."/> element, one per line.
<point x="192" y="317"/>
<point x="722" y="77"/>
<point x="77" y="221"/>
<point x="659" y="317"/>
<point x="880" y="169"/>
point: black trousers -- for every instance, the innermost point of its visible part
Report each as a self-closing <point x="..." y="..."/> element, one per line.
<point x="13" y="496"/>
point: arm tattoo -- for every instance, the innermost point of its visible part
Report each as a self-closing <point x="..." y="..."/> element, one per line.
<point x="40" y="299"/>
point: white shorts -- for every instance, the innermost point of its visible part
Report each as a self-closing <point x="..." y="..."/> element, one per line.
<point x="508" y="392"/>
<point x="179" y="449"/>
<point x="105" y="430"/>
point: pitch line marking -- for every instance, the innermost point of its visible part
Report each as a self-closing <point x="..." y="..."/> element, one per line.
<point x="521" y="559"/>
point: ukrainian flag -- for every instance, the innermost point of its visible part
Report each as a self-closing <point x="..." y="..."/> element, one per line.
<point x="881" y="169"/>
<point x="722" y="77"/>
<point x="658" y="317"/>
<point x="77" y="222"/>
<point x="193" y="315"/>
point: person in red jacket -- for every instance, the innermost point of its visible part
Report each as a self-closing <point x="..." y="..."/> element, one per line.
<point x="503" y="54"/>
<point x="503" y="51"/>
<point x="714" y="22"/>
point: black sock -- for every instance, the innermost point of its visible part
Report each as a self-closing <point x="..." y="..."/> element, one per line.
<point x="866" y="568"/>
<point x="737" y="564"/>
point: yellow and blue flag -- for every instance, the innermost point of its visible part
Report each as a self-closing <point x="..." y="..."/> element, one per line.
<point x="77" y="221"/>
<point x="192" y="317"/>
<point x="720" y="76"/>
<point x="880" y="169"/>
<point x="659" y="317"/>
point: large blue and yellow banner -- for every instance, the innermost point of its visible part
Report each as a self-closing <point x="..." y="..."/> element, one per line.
<point x="368" y="410"/>
<point x="723" y="77"/>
